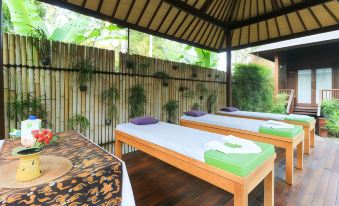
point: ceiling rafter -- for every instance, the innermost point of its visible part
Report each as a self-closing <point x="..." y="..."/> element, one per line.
<point x="206" y="5"/>
<point x="277" y="12"/>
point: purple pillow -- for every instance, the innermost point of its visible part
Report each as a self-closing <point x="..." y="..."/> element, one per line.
<point x="229" y="109"/>
<point x="195" y="113"/>
<point x="144" y="120"/>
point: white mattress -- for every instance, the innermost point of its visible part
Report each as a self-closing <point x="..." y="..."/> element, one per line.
<point x="186" y="141"/>
<point x="263" y="115"/>
<point x="224" y="121"/>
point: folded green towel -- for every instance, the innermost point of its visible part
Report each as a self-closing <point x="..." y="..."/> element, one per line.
<point x="239" y="164"/>
<point x="282" y="132"/>
<point x="307" y="119"/>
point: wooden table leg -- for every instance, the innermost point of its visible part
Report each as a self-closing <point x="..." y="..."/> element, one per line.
<point x="312" y="137"/>
<point x="289" y="164"/>
<point x="240" y="196"/>
<point x="300" y="156"/>
<point x="118" y="148"/>
<point x="307" y="148"/>
<point x="269" y="189"/>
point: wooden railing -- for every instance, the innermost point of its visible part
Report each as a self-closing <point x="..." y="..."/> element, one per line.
<point x="290" y="101"/>
<point x="326" y="94"/>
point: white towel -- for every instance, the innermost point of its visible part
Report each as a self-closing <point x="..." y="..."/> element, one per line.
<point x="298" y="116"/>
<point x="277" y="125"/>
<point x="2" y="143"/>
<point x="246" y="146"/>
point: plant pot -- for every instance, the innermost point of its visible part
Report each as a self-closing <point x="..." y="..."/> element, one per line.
<point x="46" y="61"/>
<point x="165" y="83"/>
<point x="321" y="127"/>
<point x="108" y="122"/>
<point x="209" y="111"/>
<point x="175" y="67"/>
<point x="209" y="75"/>
<point x="201" y="98"/>
<point x="29" y="165"/>
<point x="83" y="88"/>
<point x="194" y="75"/>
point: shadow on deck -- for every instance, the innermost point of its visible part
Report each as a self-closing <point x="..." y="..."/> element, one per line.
<point x="157" y="183"/>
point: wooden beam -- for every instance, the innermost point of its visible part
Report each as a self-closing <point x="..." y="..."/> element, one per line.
<point x="195" y="12"/>
<point x="2" y="100"/>
<point x="206" y="5"/>
<point x="228" y="68"/>
<point x="276" y="13"/>
<point x="276" y="73"/>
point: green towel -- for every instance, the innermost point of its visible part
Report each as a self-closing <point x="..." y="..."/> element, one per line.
<point x="307" y="119"/>
<point x="282" y="132"/>
<point x="239" y="164"/>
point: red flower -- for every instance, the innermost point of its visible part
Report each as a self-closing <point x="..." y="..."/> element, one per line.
<point x="45" y="131"/>
<point x="35" y="132"/>
<point x="36" y="136"/>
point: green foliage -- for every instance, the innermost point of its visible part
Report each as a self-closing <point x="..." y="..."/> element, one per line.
<point x="163" y="76"/>
<point x="20" y="109"/>
<point x="41" y="42"/>
<point x="137" y="101"/>
<point x="110" y="97"/>
<point x="196" y="106"/>
<point x="330" y="110"/>
<point x="85" y="70"/>
<point x="332" y="124"/>
<point x="201" y="90"/>
<point x="212" y="101"/>
<point x="253" y="87"/>
<point x="279" y="104"/>
<point x="171" y="108"/>
<point x="78" y="123"/>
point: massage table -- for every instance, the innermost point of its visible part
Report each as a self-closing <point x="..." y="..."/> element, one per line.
<point x="184" y="148"/>
<point x="249" y="129"/>
<point x="307" y="122"/>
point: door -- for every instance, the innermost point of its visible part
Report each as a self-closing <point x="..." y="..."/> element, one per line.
<point x="323" y="81"/>
<point x="304" y="86"/>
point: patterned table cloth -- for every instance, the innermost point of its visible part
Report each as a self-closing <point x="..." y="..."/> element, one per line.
<point x="95" y="179"/>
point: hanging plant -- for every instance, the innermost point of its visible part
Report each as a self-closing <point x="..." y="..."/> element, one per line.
<point x="85" y="70"/>
<point x="171" y="108"/>
<point x="217" y="76"/>
<point x="209" y="75"/>
<point x="174" y="67"/>
<point x="212" y="101"/>
<point x="201" y="90"/>
<point x="165" y="78"/>
<point x="131" y="65"/>
<point x="137" y="101"/>
<point x="196" y="106"/>
<point x="78" y="122"/>
<point x="183" y="88"/>
<point x="42" y="44"/>
<point x="194" y="73"/>
<point x="110" y="97"/>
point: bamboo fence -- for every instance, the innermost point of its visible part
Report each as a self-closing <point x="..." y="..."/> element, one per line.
<point x="62" y="98"/>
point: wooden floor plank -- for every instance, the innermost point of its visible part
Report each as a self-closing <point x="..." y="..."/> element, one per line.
<point x="157" y="183"/>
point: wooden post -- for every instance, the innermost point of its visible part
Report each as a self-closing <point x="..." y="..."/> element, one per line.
<point x="2" y="111"/>
<point x="276" y="73"/>
<point x="228" y="68"/>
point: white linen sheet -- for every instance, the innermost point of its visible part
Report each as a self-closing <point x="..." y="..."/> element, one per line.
<point x="263" y="115"/>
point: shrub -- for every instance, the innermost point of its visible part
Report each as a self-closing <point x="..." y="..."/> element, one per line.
<point x="137" y="101"/>
<point x="330" y="110"/>
<point x="171" y="108"/>
<point x="78" y="123"/>
<point x="253" y="87"/>
<point x="279" y="104"/>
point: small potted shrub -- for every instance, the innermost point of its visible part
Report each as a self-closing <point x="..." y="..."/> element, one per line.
<point x="78" y="121"/>
<point x="165" y="78"/>
<point x="42" y="44"/>
<point x="85" y="70"/>
<point x="171" y="108"/>
<point x="110" y="96"/>
<point x="136" y="101"/>
<point x="328" y="121"/>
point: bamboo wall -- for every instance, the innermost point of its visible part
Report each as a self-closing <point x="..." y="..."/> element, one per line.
<point x="23" y="74"/>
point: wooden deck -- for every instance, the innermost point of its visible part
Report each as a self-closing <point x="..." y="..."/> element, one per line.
<point x="157" y="183"/>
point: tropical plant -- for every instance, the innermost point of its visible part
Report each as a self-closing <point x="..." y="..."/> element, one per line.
<point x="171" y="108"/>
<point x="85" y="70"/>
<point x="201" y="90"/>
<point x="165" y="78"/>
<point x="78" y="123"/>
<point x="137" y="101"/>
<point x="212" y="101"/>
<point x="253" y="87"/>
<point x="279" y="104"/>
<point x="42" y="44"/>
<point x="183" y="88"/>
<point x="196" y="106"/>
<point x="110" y="97"/>
<point x="332" y="124"/>
<point x="329" y="107"/>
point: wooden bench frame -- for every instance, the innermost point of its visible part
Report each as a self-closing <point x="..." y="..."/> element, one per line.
<point x="309" y="129"/>
<point x="286" y="143"/>
<point x="239" y="186"/>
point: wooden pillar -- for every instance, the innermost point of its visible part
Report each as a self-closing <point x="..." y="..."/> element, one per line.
<point x="276" y="73"/>
<point x="228" y="68"/>
<point x="2" y="106"/>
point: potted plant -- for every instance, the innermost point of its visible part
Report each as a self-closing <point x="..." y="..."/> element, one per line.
<point x="42" y="44"/>
<point x="29" y="158"/>
<point x="183" y="88"/>
<point x="165" y="78"/>
<point x="201" y="90"/>
<point x="171" y="108"/>
<point x="329" y="119"/>
<point x="85" y="70"/>
<point x="196" y="106"/>
<point x="110" y="97"/>
<point x="136" y="101"/>
<point x="212" y="101"/>
<point x="78" y="123"/>
<point x="131" y="65"/>
<point x="175" y="67"/>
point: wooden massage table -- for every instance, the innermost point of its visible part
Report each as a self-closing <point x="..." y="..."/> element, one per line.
<point x="307" y="122"/>
<point x="184" y="148"/>
<point x="248" y="129"/>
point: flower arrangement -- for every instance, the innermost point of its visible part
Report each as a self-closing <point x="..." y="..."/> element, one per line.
<point x="43" y="137"/>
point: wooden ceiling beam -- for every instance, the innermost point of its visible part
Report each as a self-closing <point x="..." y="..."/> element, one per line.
<point x="195" y="12"/>
<point x="276" y="13"/>
<point x="206" y="5"/>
